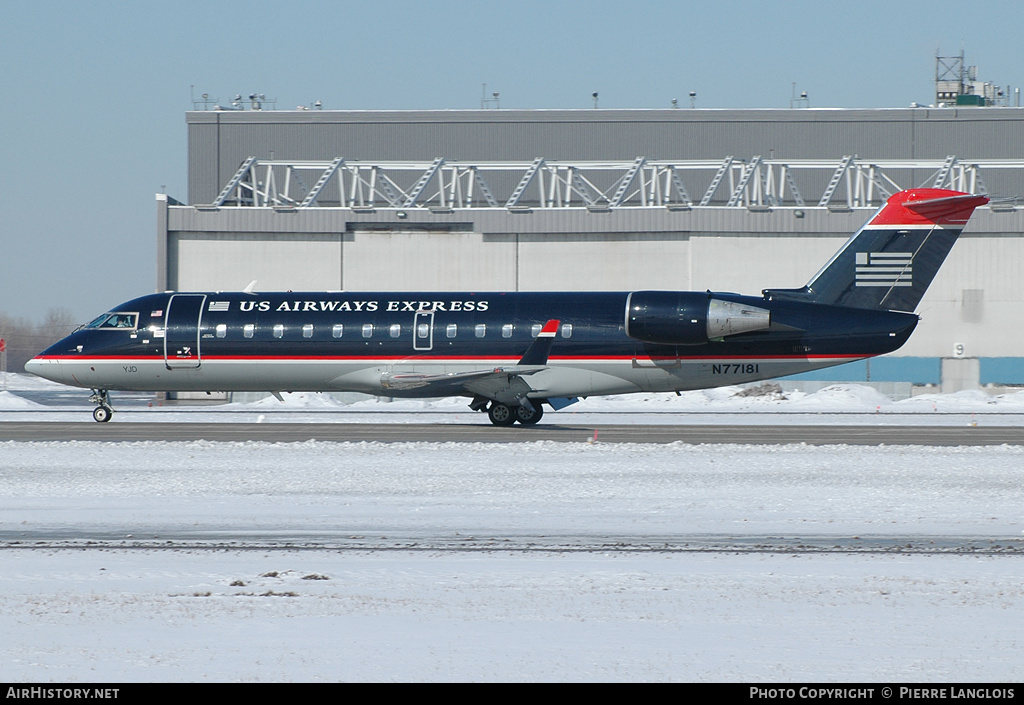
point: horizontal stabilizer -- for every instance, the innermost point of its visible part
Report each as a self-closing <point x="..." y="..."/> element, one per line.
<point x="928" y="207"/>
<point x="970" y="199"/>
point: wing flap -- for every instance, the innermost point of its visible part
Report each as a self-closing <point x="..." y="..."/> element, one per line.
<point x="448" y="380"/>
<point x="495" y="383"/>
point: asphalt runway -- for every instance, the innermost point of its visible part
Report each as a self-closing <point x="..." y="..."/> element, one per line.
<point x="485" y="433"/>
<point x="268" y="540"/>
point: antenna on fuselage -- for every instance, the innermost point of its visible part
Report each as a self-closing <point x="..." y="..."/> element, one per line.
<point x="249" y="289"/>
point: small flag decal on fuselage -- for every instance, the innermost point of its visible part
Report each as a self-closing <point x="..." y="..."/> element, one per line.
<point x="218" y="306"/>
<point x="884" y="269"/>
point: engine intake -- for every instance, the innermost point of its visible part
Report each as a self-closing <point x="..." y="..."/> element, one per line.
<point x="688" y="317"/>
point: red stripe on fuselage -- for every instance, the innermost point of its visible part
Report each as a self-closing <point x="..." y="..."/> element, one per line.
<point x="436" y="358"/>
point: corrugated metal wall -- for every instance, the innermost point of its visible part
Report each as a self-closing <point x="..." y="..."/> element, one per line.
<point x="220" y="141"/>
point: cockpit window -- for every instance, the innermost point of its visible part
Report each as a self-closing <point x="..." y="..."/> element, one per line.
<point x="119" y="321"/>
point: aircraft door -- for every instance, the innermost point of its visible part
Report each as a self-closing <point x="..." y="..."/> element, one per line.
<point x="423" y="331"/>
<point x="181" y="337"/>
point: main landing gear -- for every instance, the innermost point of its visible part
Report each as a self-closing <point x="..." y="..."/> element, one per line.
<point x="104" y="411"/>
<point x="505" y="415"/>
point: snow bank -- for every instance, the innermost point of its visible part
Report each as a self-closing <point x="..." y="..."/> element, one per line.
<point x="11" y="401"/>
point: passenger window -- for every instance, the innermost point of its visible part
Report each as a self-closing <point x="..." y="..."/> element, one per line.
<point x="423" y="331"/>
<point x="506" y="330"/>
<point x="567" y="330"/>
<point x="451" y="330"/>
<point x="248" y="329"/>
<point x="279" y="331"/>
<point x="396" y="330"/>
<point x="480" y="330"/>
<point x="367" y="330"/>
<point x="307" y="330"/>
<point x="535" y="329"/>
<point x="336" y="331"/>
<point x="222" y="330"/>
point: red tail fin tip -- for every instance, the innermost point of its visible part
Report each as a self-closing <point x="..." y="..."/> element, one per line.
<point x="928" y="206"/>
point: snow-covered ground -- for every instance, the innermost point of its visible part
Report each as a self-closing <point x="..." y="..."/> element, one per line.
<point x="540" y="561"/>
<point x="237" y="616"/>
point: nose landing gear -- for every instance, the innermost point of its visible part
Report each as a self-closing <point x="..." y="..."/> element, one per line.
<point x="104" y="411"/>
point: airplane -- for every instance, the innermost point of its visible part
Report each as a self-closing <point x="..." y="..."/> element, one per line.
<point x="513" y="353"/>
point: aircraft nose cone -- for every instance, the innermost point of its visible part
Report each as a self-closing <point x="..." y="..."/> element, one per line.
<point x="40" y="368"/>
<point x="33" y="366"/>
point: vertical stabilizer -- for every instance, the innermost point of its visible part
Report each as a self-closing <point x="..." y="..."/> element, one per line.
<point x="890" y="262"/>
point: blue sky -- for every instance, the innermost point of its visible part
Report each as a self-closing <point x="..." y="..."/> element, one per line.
<point x="93" y="94"/>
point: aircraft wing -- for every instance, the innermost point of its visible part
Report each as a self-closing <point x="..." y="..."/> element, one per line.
<point x="454" y="380"/>
<point x="496" y="383"/>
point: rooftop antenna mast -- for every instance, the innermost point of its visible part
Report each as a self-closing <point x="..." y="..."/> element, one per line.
<point x="205" y="101"/>
<point x="486" y="102"/>
<point x="258" y="100"/>
<point x="799" y="102"/>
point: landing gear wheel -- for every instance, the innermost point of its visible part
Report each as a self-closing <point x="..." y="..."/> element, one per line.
<point x="104" y="411"/>
<point x="527" y="416"/>
<point x="501" y="414"/>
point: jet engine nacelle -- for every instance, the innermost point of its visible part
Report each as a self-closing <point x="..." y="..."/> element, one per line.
<point x="689" y="317"/>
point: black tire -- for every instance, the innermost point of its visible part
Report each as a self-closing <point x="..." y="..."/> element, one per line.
<point x="527" y="416"/>
<point x="501" y="414"/>
<point x="102" y="413"/>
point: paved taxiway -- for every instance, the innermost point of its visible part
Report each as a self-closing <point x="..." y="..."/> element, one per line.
<point x="268" y="540"/>
<point x="483" y="433"/>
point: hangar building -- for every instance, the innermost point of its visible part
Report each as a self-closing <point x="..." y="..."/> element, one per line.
<point x="512" y="200"/>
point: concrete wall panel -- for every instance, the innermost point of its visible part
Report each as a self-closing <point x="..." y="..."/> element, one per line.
<point x="213" y="261"/>
<point x="607" y="261"/>
<point x="428" y="261"/>
<point x="746" y="264"/>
